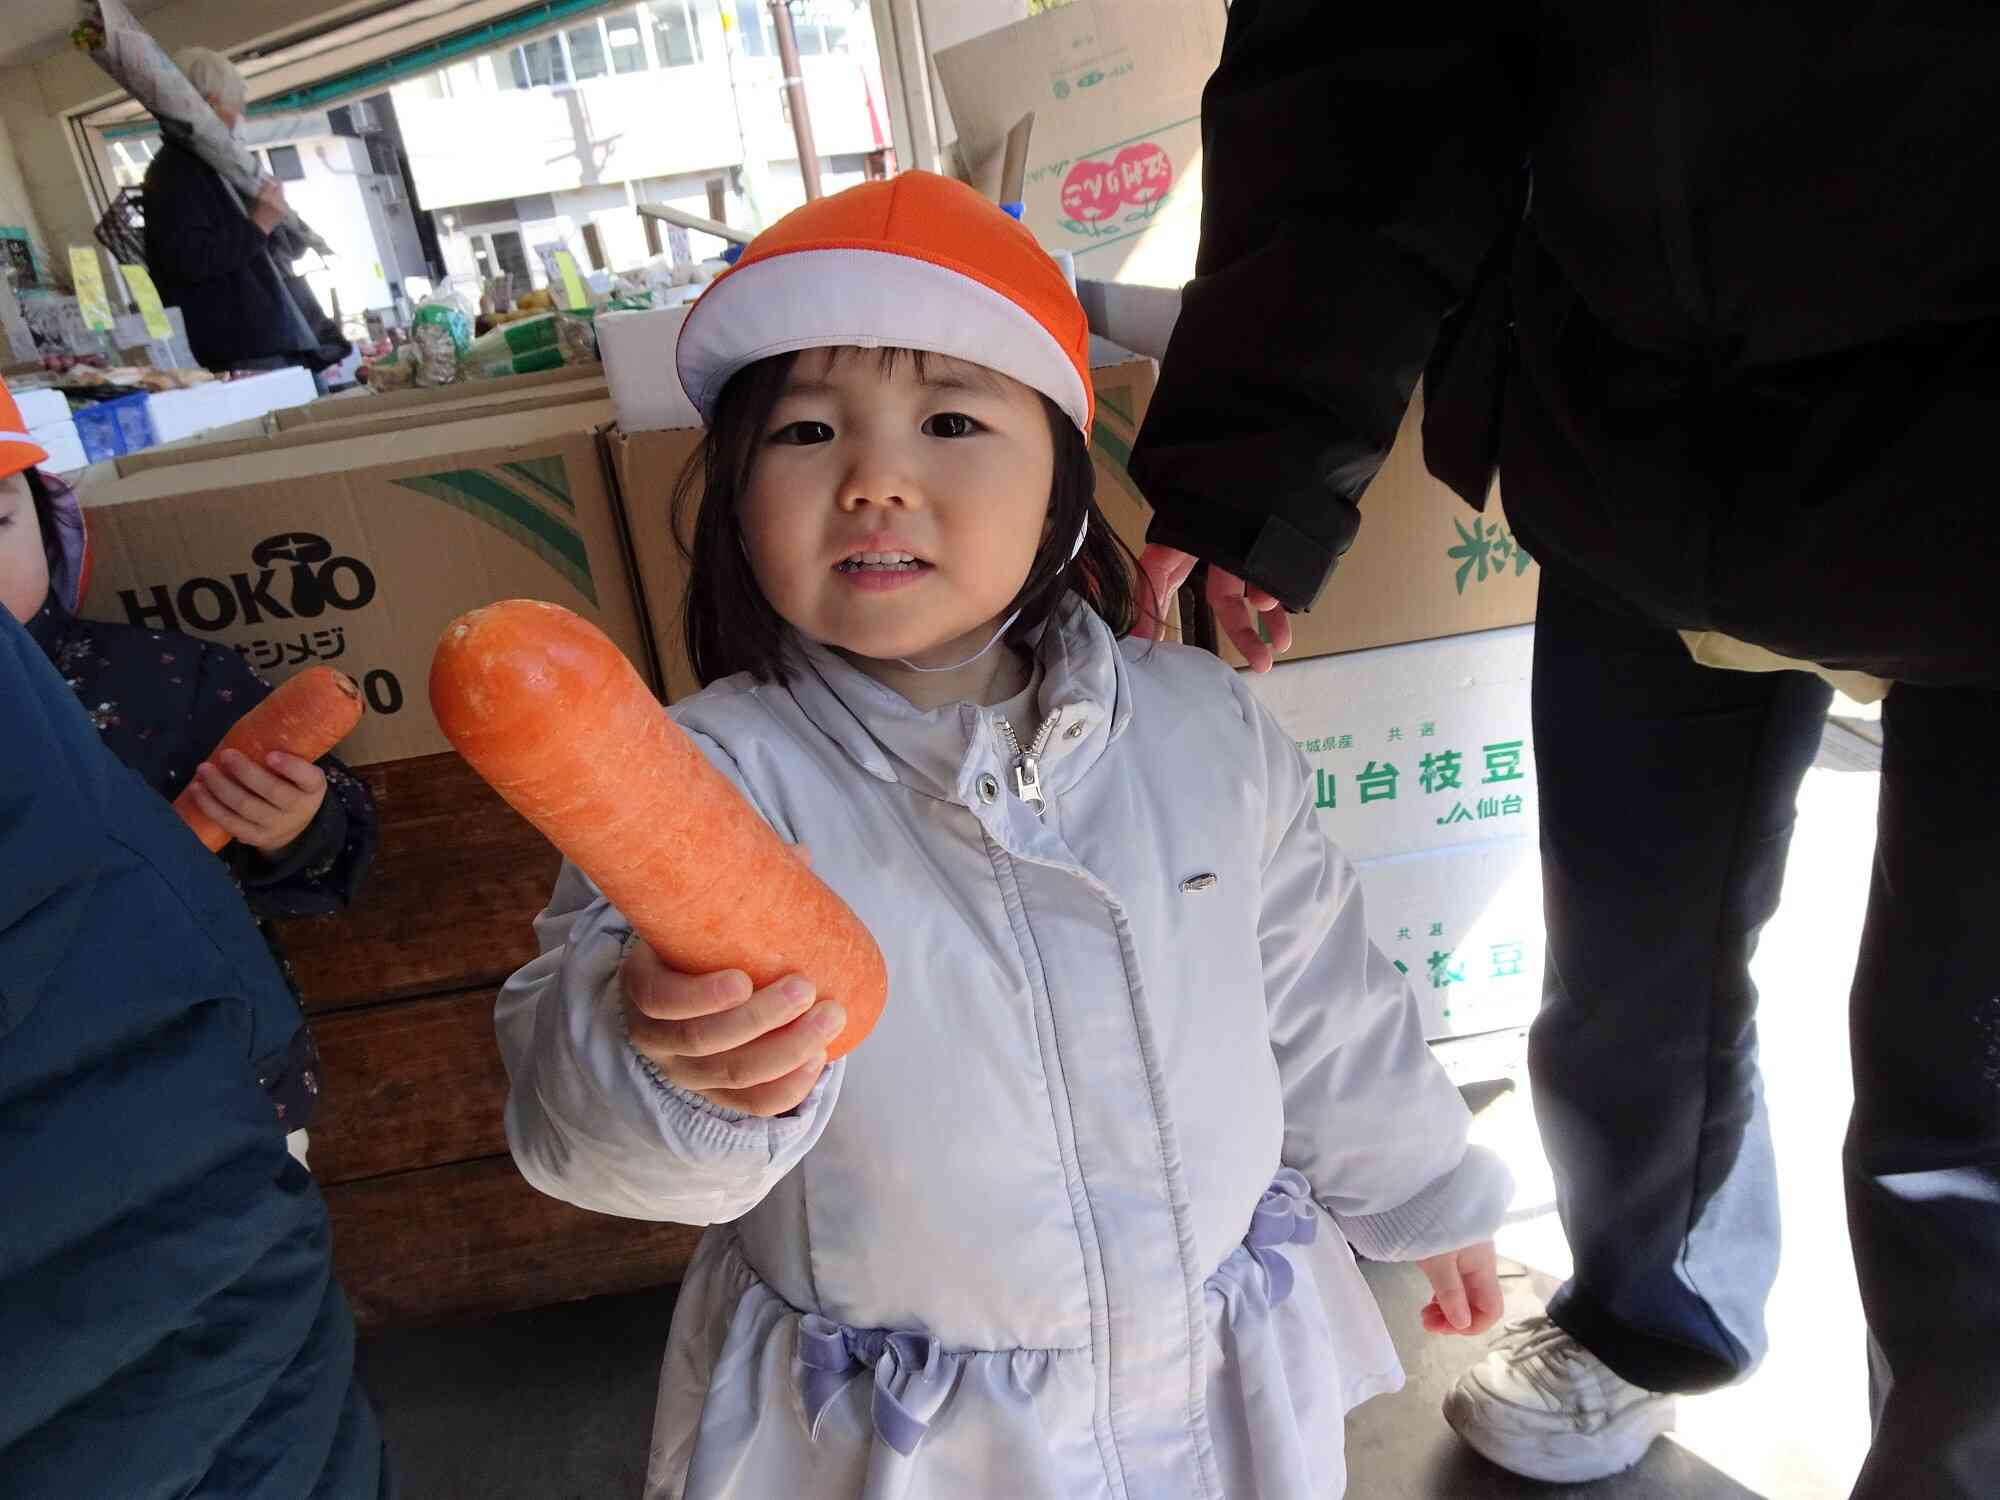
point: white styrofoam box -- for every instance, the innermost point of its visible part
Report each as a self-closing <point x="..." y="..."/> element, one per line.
<point x="179" y="414"/>
<point x="40" y="408"/>
<point x="638" y="353"/>
<point x="1466" y="925"/>
<point x="65" y="447"/>
<point x="1415" y="747"/>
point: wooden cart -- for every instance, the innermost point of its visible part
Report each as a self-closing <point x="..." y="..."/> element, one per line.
<point x="430" y="1218"/>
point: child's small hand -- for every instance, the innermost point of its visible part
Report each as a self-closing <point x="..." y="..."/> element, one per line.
<point x="267" y="806"/>
<point x="759" y="1052"/>
<point x="1466" y="1286"/>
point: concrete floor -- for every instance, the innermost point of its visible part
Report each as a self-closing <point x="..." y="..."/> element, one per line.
<point x="557" y="1403"/>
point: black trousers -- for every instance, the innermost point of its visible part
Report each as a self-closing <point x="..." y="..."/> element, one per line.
<point x="1668" y="795"/>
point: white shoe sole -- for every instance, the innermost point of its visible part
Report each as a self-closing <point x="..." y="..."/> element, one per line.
<point x="1563" y="1458"/>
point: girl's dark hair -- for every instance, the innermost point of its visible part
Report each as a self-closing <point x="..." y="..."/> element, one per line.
<point x="47" y="490"/>
<point x="732" y="628"/>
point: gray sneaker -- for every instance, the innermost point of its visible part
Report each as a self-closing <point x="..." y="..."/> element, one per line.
<point x="1543" y="1406"/>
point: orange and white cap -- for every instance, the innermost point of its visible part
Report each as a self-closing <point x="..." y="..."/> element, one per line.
<point x="18" y="449"/>
<point x="916" y="262"/>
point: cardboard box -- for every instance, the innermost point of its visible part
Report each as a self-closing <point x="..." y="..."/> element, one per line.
<point x="343" y="407"/>
<point x="1114" y="164"/>
<point x="180" y="414"/>
<point x="366" y="421"/>
<point x="1423" y="767"/>
<point x="41" y="407"/>
<point x="1466" y="926"/>
<point x="646" y="465"/>
<point x="63" y="444"/>
<point x="359" y="553"/>
<point x="1415" y="747"/>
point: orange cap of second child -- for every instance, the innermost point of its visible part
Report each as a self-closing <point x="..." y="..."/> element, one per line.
<point x="18" y="449"/>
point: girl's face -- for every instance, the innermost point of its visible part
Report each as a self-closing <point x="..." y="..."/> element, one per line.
<point x="24" y="565"/>
<point x="892" y="515"/>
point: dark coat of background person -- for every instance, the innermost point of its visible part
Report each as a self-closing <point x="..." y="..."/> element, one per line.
<point x="1728" y="341"/>
<point x="208" y="258"/>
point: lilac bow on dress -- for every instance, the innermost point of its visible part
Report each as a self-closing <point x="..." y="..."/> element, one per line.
<point x="1285" y="1215"/>
<point x="908" y="1367"/>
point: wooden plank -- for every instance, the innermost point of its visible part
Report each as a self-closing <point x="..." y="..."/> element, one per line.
<point x="475" y="1239"/>
<point x="409" y="1085"/>
<point x="449" y="903"/>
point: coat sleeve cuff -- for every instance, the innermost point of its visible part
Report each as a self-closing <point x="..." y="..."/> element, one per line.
<point x="1266" y="550"/>
<point x="1461" y="1208"/>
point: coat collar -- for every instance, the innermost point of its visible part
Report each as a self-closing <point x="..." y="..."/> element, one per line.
<point x="943" y="753"/>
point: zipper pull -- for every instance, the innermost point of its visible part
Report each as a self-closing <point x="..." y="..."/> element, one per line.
<point x="1028" y="780"/>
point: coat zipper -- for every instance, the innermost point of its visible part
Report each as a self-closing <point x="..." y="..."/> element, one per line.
<point x="1028" y="763"/>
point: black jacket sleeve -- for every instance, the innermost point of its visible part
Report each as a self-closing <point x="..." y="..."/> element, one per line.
<point x="1358" y="164"/>
<point x="193" y="232"/>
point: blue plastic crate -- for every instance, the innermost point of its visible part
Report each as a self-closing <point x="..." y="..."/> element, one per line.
<point x="120" y="425"/>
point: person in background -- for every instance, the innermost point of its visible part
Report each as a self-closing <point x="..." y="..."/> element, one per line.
<point x="212" y="258"/>
<point x="304" y="833"/>
<point x="1717" y="289"/>
<point x="169" y="1323"/>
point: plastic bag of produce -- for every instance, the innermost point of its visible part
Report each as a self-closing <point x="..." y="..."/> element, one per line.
<point x="441" y="329"/>
<point x="519" y="347"/>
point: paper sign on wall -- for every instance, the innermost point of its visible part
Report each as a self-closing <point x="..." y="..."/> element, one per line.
<point x="140" y="281"/>
<point x="574" y="294"/>
<point x="88" y="273"/>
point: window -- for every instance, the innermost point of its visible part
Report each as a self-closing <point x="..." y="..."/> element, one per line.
<point x="675" y="37"/>
<point x="382" y="157"/>
<point x="513" y="259"/>
<point x="510" y="71"/>
<point x="756" y="21"/>
<point x="628" y="42"/>
<point x="285" y="164"/>
<point x="586" y="51"/>
<point x="544" y="60"/>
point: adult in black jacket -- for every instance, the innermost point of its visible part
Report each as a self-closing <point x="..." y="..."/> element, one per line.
<point x="212" y="257"/>
<point x="1717" y="290"/>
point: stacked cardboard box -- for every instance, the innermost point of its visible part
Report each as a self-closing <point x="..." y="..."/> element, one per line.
<point x="1421" y="763"/>
<point x="359" y="550"/>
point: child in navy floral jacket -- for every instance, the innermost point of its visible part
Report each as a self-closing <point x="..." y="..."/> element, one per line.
<point x="303" y="833"/>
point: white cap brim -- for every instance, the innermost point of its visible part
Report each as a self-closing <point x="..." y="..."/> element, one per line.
<point x="869" y="299"/>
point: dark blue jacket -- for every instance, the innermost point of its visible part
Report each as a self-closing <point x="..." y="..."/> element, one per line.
<point x="169" y="1324"/>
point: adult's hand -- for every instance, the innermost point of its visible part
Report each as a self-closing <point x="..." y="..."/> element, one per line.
<point x="1239" y="607"/>
<point x="270" y="209"/>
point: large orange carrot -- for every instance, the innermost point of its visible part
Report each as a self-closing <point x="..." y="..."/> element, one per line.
<point x="551" y="714"/>
<point x="306" y="716"/>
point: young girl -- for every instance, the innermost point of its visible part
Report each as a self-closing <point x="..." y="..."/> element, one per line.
<point x="1074" y="1221"/>
<point x="162" y="701"/>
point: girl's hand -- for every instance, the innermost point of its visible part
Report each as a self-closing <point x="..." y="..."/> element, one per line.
<point x="757" y="1051"/>
<point x="267" y="806"/>
<point x="1466" y="1290"/>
